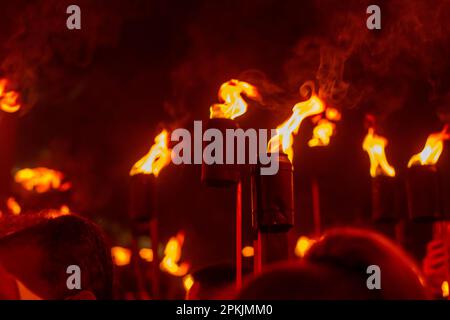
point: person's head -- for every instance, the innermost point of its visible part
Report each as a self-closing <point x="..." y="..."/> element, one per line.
<point x="354" y="250"/>
<point x="37" y="250"/>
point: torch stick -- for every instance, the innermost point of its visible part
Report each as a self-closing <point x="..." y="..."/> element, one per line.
<point x="239" y="235"/>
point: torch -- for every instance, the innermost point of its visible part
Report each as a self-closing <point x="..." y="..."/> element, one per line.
<point x="9" y="106"/>
<point x="143" y="196"/>
<point x="222" y="117"/>
<point x="273" y="195"/>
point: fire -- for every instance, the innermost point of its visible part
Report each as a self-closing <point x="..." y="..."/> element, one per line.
<point x="233" y="105"/>
<point x="248" y="252"/>
<point x="322" y="133"/>
<point x="121" y="256"/>
<point x="374" y="145"/>
<point x="64" y="209"/>
<point x="13" y="206"/>
<point x="188" y="282"/>
<point x="284" y="137"/>
<point x="333" y="114"/>
<point x="8" y="99"/>
<point x="146" y="254"/>
<point x="172" y="256"/>
<point x="445" y="289"/>
<point x="432" y="150"/>
<point x="41" y="180"/>
<point x="303" y="245"/>
<point x="156" y="159"/>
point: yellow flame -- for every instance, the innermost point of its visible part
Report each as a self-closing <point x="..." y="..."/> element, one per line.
<point x="333" y="114"/>
<point x="322" y="133"/>
<point x="284" y="137"/>
<point x="121" y="256"/>
<point x="64" y="209"/>
<point x="233" y="105"/>
<point x="375" y="146"/>
<point x="156" y="159"/>
<point x="432" y="150"/>
<point x="146" y="254"/>
<point x="8" y="99"/>
<point x="303" y="245"/>
<point x="172" y="256"/>
<point x="41" y="180"/>
<point x="13" y="206"/>
<point x="188" y="282"/>
<point x="445" y="289"/>
<point x="248" y="252"/>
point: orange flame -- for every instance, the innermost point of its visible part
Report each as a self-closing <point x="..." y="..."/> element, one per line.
<point x="41" y="180"/>
<point x="322" y="133"/>
<point x="248" y="252"/>
<point x="146" y="254"/>
<point x="8" y="99"/>
<point x="284" y="137"/>
<point x="121" y="256"/>
<point x="233" y="104"/>
<point x="172" y="256"/>
<point x="374" y="145"/>
<point x="333" y="114"/>
<point x="303" y="245"/>
<point x="156" y="159"/>
<point x="445" y="289"/>
<point x="432" y="150"/>
<point x="13" y="206"/>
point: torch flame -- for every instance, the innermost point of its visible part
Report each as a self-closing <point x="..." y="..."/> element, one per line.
<point x="374" y="145"/>
<point x="121" y="256"/>
<point x="284" y="137"/>
<point x="233" y="105"/>
<point x="445" y="289"/>
<point x="8" y="99"/>
<point x="248" y="251"/>
<point x="13" y="206"/>
<point x="41" y="180"/>
<point x="146" y="254"/>
<point x="172" y="255"/>
<point x="188" y="282"/>
<point x="303" y="245"/>
<point x="322" y="133"/>
<point x="156" y="159"/>
<point x="432" y="150"/>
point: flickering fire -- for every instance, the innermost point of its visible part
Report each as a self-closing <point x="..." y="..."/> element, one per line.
<point x="41" y="180"/>
<point x="121" y="256"/>
<point x="248" y="252"/>
<point x="333" y="114"/>
<point x="156" y="159"/>
<point x="322" y="133"/>
<point x="445" y="289"/>
<point x="146" y="254"/>
<point x="188" y="282"/>
<point x="375" y="146"/>
<point x="172" y="256"/>
<point x="64" y="209"/>
<point x="8" y="99"/>
<point x="13" y="206"/>
<point x="432" y="150"/>
<point x="284" y="138"/>
<point x="232" y="104"/>
<point x="303" y="245"/>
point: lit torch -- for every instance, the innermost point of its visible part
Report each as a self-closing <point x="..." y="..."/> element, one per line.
<point x="172" y="256"/>
<point x="8" y="99"/>
<point x="424" y="199"/>
<point x="143" y="196"/>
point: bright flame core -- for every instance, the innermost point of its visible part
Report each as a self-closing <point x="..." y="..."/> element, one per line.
<point x="41" y="180"/>
<point x="432" y="150"/>
<point x="445" y="289"/>
<point x="156" y="159"/>
<point x="303" y="245"/>
<point x="172" y="255"/>
<point x="13" y="206"/>
<point x="121" y="256"/>
<point x="233" y="105"/>
<point x="188" y="282"/>
<point x="146" y="254"/>
<point x="322" y="133"/>
<point x="374" y="145"/>
<point x="8" y="99"/>
<point x="248" y="252"/>
<point x="284" y="138"/>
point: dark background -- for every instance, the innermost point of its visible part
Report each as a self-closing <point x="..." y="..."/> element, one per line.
<point x="94" y="99"/>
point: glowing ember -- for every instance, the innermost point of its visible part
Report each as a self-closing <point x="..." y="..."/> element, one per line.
<point x="374" y="145"/>
<point x="13" y="206"/>
<point x="233" y="105"/>
<point x="121" y="256"/>
<point x="333" y="114"/>
<point x="303" y="245"/>
<point x="41" y="180"/>
<point x="156" y="159"/>
<point x="146" y="254"/>
<point x="64" y="209"/>
<point x="172" y="256"/>
<point x="322" y="133"/>
<point x="188" y="282"/>
<point x="284" y="137"/>
<point x="248" y="251"/>
<point x="445" y="289"/>
<point x="432" y="150"/>
<point x="8" y="99"/>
